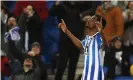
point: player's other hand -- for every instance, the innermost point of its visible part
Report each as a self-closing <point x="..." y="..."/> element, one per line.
<point x="63" y="26"/>
<point x="99" y="25"/>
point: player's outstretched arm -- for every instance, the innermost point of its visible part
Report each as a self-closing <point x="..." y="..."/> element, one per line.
<point x="75" y="40"/>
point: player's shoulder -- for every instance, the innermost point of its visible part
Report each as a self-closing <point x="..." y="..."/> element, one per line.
<point x="98" y="34"/>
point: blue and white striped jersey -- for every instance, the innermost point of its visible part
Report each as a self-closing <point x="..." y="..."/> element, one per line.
<point x="92" y="66"/>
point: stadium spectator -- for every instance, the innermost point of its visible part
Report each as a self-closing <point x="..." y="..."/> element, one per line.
<point x="12" y="33"/>
<point x="30" y="27"/>
<point x="117" y="59"/>
<point x="40" y="7"/>
<point x="42" y="11"/>
<point x="3" y="16"/>
<point x="114" y="20"/>
<point x="34" y="53"/>
<point x="30" y="71"/>
<point x="114" y="58"/>
<point x="128" y="16"/>
<point x="127" y="37"/>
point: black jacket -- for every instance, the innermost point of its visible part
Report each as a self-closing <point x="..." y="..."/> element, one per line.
<point x="21" y="56"/>
<point x="33" y="74"/>
<point x="110" y="61"/>
<point x="5" y="46"/>
<point x="32" y="25"/>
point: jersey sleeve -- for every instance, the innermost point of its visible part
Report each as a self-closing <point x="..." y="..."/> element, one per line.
<point x="83" y="43"/>
<point x="99" y="40"/>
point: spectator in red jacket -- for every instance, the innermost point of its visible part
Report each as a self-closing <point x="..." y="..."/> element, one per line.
<point x="40" y="7"/>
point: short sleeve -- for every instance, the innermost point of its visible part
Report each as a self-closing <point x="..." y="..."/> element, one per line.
<point x="99" y="40"/>
<point x="83" y="43"/>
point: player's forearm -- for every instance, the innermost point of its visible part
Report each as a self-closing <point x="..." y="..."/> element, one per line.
<point x="75" y="40"/>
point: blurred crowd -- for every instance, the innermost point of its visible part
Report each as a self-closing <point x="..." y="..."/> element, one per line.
<point x="32" y="44"/>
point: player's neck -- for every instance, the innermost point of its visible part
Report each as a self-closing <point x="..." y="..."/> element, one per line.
<point x="91" y="32"/>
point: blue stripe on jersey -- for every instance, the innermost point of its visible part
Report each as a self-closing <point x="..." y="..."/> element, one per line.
<point x="93" y="61"/>
<point x="86" y="68"/>
<point x="99" y="41"/>
<point x="99" y="75"/>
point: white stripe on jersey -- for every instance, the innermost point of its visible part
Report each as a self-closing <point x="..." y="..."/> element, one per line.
<point x="90" y="59"/>
<point x="102" y="75"/>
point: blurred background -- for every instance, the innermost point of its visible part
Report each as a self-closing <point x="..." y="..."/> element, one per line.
<point x="37" y="21"/>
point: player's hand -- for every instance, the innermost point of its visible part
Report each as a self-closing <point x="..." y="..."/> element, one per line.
<point x="99" y="25"/>
<point x="62" y="25"/>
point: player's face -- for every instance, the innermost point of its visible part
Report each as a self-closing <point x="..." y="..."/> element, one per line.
<point x="91" y="22"/>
